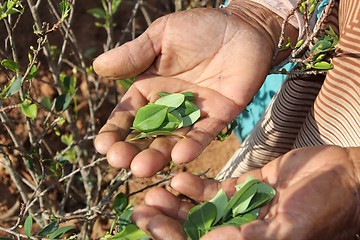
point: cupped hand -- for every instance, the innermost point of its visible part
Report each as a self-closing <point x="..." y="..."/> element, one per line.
<point x="221" y="55"/>
<point x="317" y="198"/>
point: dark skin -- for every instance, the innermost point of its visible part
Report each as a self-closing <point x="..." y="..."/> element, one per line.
<point x="223" y="56"/>
<point x="214" y="53"/>
<point x="317" y="198"/>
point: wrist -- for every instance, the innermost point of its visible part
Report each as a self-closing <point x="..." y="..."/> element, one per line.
<point x="267" y="22"/>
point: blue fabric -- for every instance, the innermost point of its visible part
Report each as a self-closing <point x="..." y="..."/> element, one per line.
<point x="251" y="115"/>
<point x="320" y="8"/>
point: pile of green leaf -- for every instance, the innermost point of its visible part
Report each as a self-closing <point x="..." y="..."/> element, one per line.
<point x="243" y="207"/>
<point x="168" y="113"/>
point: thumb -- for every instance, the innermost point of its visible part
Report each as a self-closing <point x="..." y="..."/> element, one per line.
<point x="134" y="57"/>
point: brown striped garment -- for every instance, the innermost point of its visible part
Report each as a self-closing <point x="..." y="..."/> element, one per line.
<point x="312" y="110"/>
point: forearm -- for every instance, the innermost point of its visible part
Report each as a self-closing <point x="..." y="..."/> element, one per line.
<point x="267" y="22"/>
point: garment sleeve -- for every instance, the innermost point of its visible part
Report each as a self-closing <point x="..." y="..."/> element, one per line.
<point x="283" y="9"/>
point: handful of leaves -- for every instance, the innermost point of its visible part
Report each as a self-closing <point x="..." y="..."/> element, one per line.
<point x="243" y="207"/>
<point x="169" y="112"/>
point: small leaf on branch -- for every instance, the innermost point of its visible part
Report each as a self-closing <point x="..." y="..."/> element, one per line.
<point x="29" y="109"/>
<point x="10" y="64"/>
<point x="28" y="226"/>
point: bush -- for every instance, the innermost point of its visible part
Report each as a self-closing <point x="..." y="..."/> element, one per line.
<point x="52" y="105"/>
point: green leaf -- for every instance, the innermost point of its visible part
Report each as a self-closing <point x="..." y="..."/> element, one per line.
<point x="28" y="109"/>
<point x="149" y="117"/>
<point x="239" y="220"/>
<point x="28" y="226"/>
<point x="67" y="139"/>
<point x="299" y="43"/>
<point x="264" y="195"/>
<point x="68" y="84"/>
<point x="193" y="232"/>
<point x="222" y="136"/>
<point x="241" y="189"/>
<point x="120" y="203"/>
<point x="32" y="73"/>
<point x="173" y="101"/>
<point x="171" y="122"/>
<point x="64" y="8"/>
<point x="115" y="6"/>
<point x="60" y="231"/>
<point x="15" y="86"/>
<point x="187" y="108"/>
<point x="46" y="103"/>
<point x="191" y="118"/>
<point x="323" y="65"/>
<point x="125" y="217"/>
<point x="321" y="46"/>
<point x="10" y="64"/>
<point x="241" y="206"/>
<point x="189" y="96"/>
<point x="131" y="231"/>
<point x="320" y="57"/>
<point x="98" y="13"/>
<point x="126" y="83"/>
<point x="220" y="200"/>
<point x="48" y="229"/>
<point x="62" y="102"/>
<point x="203" y="215"/>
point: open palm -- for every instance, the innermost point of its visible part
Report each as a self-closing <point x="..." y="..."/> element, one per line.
<point x="213" y="53"/>
<point x="317" y="198"/>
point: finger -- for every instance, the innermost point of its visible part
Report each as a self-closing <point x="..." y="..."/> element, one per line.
<point x="134" y="57"/>
<point x="168" y="203"/>
<point x="161" y="227"/>
<point x="224" y="233"/>
<point x="118" y="125"/>
<point x="157" y="225"/>
<point x="156" y="157"/>
<point x="255" y="230"/>
<point x="201" y="189"/>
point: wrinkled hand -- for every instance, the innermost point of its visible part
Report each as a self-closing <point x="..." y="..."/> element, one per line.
<point x="317" y="198"/>
<point x="215" y="53"/>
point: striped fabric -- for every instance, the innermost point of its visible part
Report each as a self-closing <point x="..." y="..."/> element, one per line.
<point x="313" y="110"/>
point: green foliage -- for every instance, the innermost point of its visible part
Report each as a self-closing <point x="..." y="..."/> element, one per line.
<point x="65" y="9"/>
<point x="10" y="64"/>
<point x="126" y="230"/>
<point x="29" y="109"/>
<point x="28" y="226"/>
<point x="12" y="88"/>
<point x="230" y="128"/>
<point x="243" y="207"/>
<point x="322" y="51"/>
<point x="51" y="231"/>
<point x="10" y="7"/>
<point x="48" y="229"/>
<point x="168" y="113"/>
<point x="62" y="102"/>
<point x="105" y="13"/>
<point x="57" y="234"/>
<point x="308" y="6"/>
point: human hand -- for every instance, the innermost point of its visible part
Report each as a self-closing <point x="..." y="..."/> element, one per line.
<point x="317" y="198"/>
<point x="221" y="55"/>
